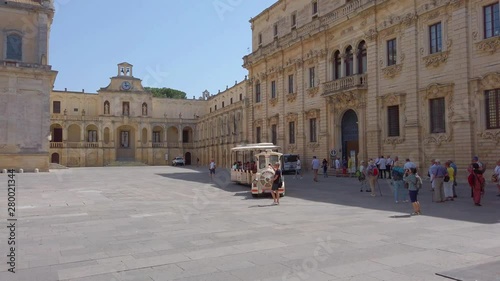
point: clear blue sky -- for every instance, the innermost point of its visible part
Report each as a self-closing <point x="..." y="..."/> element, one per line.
<point x="189" y="45"/>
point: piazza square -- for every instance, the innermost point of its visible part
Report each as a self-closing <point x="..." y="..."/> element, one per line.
<point x="175" y="223"/>
<point x="114" y="184"/>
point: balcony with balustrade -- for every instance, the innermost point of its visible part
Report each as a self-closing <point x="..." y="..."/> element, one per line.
<point x="349" y="83"/>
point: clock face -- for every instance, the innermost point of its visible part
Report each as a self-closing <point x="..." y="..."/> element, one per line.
<point x="126" y="86"/>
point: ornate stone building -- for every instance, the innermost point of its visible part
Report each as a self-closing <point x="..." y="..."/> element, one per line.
<point x="418" y="79"/>
<point x="122" y="122"/>
<point x="26" y="80"/>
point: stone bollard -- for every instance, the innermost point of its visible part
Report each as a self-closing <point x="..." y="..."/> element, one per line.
<point x="21" y="171"/>
<point x="36" y="170"/>
<point x="4" y="171"/>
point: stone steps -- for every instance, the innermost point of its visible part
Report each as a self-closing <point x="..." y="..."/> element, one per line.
<point x="125" y="164"/>
<point x="54" y="166"/>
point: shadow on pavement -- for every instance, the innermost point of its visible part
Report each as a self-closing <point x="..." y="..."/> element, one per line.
<point x="346" y="191"/>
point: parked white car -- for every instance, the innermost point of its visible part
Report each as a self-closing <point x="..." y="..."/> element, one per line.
<point x="178" y="161"/>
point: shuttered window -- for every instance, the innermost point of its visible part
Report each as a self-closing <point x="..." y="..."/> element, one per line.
<point x="393" y="121"/>
<point x="257" y="92"/>
<point x="56" y="107"/>
<point x="312" y="130"/>
<point x="492" y="99"/>
<point x="274" y="134"/>
<point x="437" y="114"/>
<point x="257" y="135"/>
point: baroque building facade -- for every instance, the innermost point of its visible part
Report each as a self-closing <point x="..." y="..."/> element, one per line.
<point x="123" y="122"/>
<point x="417" y="79"/>
<point x="26" y="80"/>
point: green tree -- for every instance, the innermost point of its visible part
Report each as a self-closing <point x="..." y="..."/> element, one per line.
<point x="166" y="93"/>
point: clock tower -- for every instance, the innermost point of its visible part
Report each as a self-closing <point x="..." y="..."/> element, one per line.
<point x="26" y="80"/>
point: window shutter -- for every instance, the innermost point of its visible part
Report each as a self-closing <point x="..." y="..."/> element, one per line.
<point x="393" y="121"/>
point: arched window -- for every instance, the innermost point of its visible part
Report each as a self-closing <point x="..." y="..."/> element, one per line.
<point x="144" y="109"/>
<point x="349" y="61"/>
<point x="106" y="107"/>
<point x="362" y="58"/>
<point x="337" y="65"/>
<point x="14" y="47"/>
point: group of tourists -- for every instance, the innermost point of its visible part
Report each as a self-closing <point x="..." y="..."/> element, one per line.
<point x="406" y="182"/>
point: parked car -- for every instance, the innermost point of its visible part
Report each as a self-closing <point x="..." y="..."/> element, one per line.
<point x="178" y="161"/>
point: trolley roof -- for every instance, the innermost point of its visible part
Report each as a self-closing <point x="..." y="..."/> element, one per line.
<point x="255" y="146"/>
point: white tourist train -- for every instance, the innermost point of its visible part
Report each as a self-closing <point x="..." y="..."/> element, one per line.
<point x="252" y="165"/>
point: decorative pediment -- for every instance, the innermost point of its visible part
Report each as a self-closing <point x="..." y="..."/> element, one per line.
<point x="489" y="81"/>
<point x="391" y="99"/>
<point x="437" y="91"/>
<point x="292" y="148"/>
<point x="258" y="123"/>
<point x="438" y="139"/>
<point x="349" y="99"/>
<point x="291" y="117"/>
<point x="273" y="119"/>
<point x="312" y="113"/>
<point x="313" y="146"/>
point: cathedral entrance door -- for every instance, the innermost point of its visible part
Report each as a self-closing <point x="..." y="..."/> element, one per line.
<point x="350" y="134"/>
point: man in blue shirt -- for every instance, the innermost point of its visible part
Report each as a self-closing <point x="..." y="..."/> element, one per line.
<point x="438" y="172"/>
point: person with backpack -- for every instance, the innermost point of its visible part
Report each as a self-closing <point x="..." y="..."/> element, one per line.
<point x="476" y="182"/>
<point x="372" y="173"/>
<point x="414" y="185"/>
<point x="398" y="184"/>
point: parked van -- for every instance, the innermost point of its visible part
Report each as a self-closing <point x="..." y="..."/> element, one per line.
<point x="289" y="163"/>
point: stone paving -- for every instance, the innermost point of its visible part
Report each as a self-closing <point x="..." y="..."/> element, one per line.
<point x="169" y="223"/>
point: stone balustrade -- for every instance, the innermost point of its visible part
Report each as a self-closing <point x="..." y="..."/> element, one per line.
<point x="346" y="83"/>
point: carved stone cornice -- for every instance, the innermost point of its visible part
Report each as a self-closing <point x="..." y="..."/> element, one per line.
<point x="392" y="71"/>
<point x="291" y="97"/>
<point x="391" y="99"/>
<point x="273" y="102"/>
<point x="273" y="119"/>
<point x="312" y="113"/>
<point x="312" y="92"/>
<point x="488" y="82"/>
<point x="437" y="59"/>
<point x="490" y="45"/>
<point x="258" y="106"/>
<point x="493" y="135"/>
<point x="292" y="147"/>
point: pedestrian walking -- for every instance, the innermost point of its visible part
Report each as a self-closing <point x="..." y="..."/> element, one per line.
<point x="398" y="184"/>
<point x="324" y="165"/>
<point x="315" y="167"/>
<point x="437" y="176"/>
<point x="382" y="164"/>
<point x="362" y="177"/>
<point x="389" y="164"/>
<point x="277" y="182"/>
<point x="298" y="169"/>
<point x="455" y="169"/>
<point x="448" y="181"/>
<point x="414" y="184"/>
<point x="337" y="166"/>
<point x="211" y="168"/>
<point x="476" y="182"/>
<point x="372" y="173"/>
<point x="496" y="177"/>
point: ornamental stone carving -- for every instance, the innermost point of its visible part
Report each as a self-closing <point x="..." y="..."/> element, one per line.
<point x="313" y="146"/>
<point x="292" y="148"/>
<point x="291" y="117"/>
<point x="392" y="71"/>
<point x="258" y="106"/>
<point x="489" y="81"/>
<point x="490" y="135"/>
<point x="312" y="92"/>
<point x="371" y="35"/>
<point x="312" y="113"/>
<point x="490" y="45"/>
<point x="437" y="59"/>
<point x="438" y="139"/>
<point x="343" y="100"/>
<point x="394" y="141"/>
<point x="273" y="102"/>
<point x="273" y="119"/>
<point x="258" y="123"/>
<point x="291" y="97"/>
